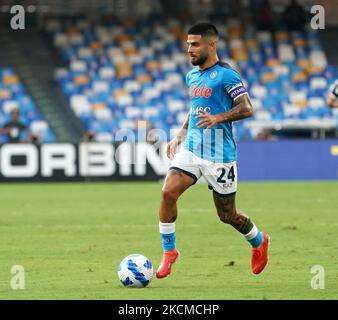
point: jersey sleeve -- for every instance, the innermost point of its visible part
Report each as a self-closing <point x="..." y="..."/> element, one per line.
<point x="233" y="85"/>
<point x="187" y="78"/>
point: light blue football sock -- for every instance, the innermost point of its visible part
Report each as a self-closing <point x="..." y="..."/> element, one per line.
<point x="256" y="241"/>
<point x="254" y="237"/>
<point x="168" y="235"/>
<point x="168" y="241"/>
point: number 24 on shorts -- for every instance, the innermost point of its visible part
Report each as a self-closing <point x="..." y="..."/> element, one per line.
<point x="230" y="176"/>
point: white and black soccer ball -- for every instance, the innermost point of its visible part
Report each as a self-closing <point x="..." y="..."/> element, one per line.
<point x="135" y="271"/>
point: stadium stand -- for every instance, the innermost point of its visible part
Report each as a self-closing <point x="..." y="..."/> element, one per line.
<point x="13" y="95"/>
<point x="122" y="72"/>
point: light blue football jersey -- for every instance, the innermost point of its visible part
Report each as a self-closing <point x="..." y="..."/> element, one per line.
<point x="213" y="90"/>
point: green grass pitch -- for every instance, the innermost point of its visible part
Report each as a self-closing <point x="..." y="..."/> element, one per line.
<point x="71" y="237"/>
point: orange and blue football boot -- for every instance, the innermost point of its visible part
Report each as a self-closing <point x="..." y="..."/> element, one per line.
<point x="168" y="259"/>
<point x="260" y="255"/>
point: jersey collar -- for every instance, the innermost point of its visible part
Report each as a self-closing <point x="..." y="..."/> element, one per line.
<point x="208" y="67"/>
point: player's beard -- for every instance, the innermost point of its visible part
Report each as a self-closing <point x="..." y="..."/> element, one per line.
<point x="200" y="61"/>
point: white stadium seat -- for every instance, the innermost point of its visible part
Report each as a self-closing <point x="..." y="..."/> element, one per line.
<point x="285" y="53"/>
<point x="61" y="72"/>
<point x="150" y="93"/>
<point x="318" y="83"/>
<point x="150" y="112"/>
<point x="258" y="91"/>
<point x="38" y="126"/>
<point x="101" y="86"/>
<point x="181" y="116"/>
<point x="132" y="86"/>
<point x="78" y="66"/>
<point x="84" y="52"/>
<point x="9" y="105"/>
<point x="318" y="59"/>
<point x="124" y="100"/>
<point x="262" y="115"/>
<point x="316" y="102"/>
<point x="127" y="124"/>
<point x="133" y="112"/>
<point x="80" y="104"/>
<point x="174" y="79"/>
<point x="176" y="105"/>
<point x="107" y="73"/>
<point x="290" y="110"/>
<point x="104" y="137"/>
<point x="103" y="114"/>
<point x="163" y="85"/>
<point x="60" y="40"/>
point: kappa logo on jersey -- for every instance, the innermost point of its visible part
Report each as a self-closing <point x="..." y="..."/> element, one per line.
<point x="195" y="92"/>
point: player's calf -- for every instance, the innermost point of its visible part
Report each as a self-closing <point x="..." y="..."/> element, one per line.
<point x="228" y="214"/>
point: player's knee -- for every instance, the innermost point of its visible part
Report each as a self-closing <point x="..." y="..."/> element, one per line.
<point x="169" y="195"/>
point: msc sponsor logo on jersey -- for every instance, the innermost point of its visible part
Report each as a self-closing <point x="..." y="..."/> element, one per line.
<point x="196" y="110"/>
<point x="196" y="92"/>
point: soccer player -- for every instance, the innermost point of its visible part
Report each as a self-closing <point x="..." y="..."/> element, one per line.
<point x="332" y="99"/>
<point x="207" y="147"/>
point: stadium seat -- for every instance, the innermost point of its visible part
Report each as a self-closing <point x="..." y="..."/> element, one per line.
<point x="13" y="96"/>
<point x="137" y="69"/>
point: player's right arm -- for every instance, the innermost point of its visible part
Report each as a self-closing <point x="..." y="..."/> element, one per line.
<point x="174" y="143"/>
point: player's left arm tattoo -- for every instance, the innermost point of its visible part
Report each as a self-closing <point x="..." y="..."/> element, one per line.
<point x="243" y="109"/>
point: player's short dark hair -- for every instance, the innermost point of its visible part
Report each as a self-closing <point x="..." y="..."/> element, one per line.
<point x="204" y="29"/>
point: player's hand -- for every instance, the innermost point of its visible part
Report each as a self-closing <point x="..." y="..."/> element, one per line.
<point x="208" y="119"/>
<point x="172" y="147"/>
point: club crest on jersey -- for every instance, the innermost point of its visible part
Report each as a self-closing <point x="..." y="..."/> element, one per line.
<point x="196" y="92"/>
<point x="213" y="75"/>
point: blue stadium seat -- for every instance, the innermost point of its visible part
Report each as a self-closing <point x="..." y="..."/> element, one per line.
<point x="136" y="53"/>
<point x="14" y="95"/>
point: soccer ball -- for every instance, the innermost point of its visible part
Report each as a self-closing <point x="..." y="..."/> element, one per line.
<point x="135" y="271"/>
